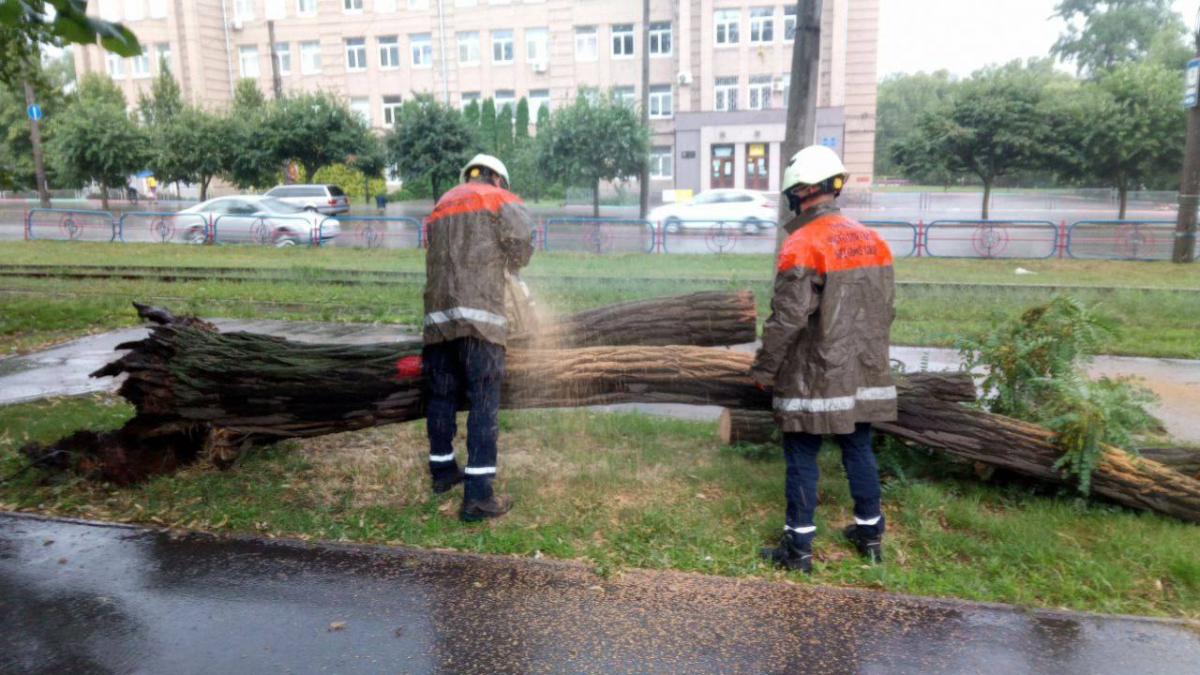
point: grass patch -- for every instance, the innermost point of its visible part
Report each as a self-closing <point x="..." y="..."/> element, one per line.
<point x="633" y="491"/>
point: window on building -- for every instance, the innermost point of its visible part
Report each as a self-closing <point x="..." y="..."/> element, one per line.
<point x="538" y="99"/>
<point x="158" y="9"/>
<point x="110" y="10"/>
<point x="306" y="7"/>
<point x="502" y="46"/>
<point x="727" y="24"/>
<point x="361" y="106"/>
<point x="162" y="56"/>
<point x="586" y="45"/>
<point x="468" y="47"/>
<point x="113" y="63"/>
<point x="661" y="103"/>
<point x="789" y="24"/>
<point x="622" y="39"/>
<point x="135" y="10"/>
<point x="625" y="95"/>
<point x="726" y="90"/>
<point x="466" y="98"/>
<point x="310" y="57"/>
<point x="537" y="45"/>
<point x="590" y="94"/>
<point x="356" y="54"/>
<point x="505" y="97"/>
<point x="283" y="52"/>
<point x="422" y="50"/>
<point x="661" y="162"/>
<point x="760" y="92"/>
<point x="139" y="65"/>
<point x="389" y="52"/>
<point x="391" y="110"/>
<point x="762" y="24"/>
<point x="786" y="81"/>
<point x="274" y="9"/>
<point x="660" y="38"/>
<point x="243" y="10"/>
<point x="248" y="61"/>
<point x="352" y="6"/>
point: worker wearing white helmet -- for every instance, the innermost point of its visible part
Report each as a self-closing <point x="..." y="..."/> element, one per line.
<point x="478" y="232"/>
<point x="824" y="355"/>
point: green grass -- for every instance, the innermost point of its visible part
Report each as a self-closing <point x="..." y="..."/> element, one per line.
<point x="624" y="491"/>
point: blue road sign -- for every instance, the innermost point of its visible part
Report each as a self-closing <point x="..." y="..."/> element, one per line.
<point x="1191" y="82"/>
<point x="35" y="111"/>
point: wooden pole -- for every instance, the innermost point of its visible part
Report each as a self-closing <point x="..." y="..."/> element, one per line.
<point x="802" y="96"/>
<point x="1189" y="186"/>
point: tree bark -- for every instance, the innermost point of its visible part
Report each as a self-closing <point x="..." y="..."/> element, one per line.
<point x="737" y="425"/>
<point x="596" y="199"/>
<point x="987" y="198"/>
<point x="1122" y="200"/>
<point x="1030" y="449"/>
<point x="1183" y="460"/>
<point x="103" y="194"/>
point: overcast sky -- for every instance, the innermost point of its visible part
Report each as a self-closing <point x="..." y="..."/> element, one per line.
<point x="964" y="35"/>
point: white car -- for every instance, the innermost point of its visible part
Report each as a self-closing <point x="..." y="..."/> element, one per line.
<point x="259" y="220"/>
<point x="321" y="198"/>
<point x="750" y="211"/>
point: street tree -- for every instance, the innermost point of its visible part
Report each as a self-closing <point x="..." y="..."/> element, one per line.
<point x="1103" y="33"/>
<point x="901" y="101"/>
<point x="164" y="100"/>
<point x="193" y="146"/>
<point x="431" y="142"/>
<point x="371" y="162"/>
<point x="94" y="140"/>
<point x="543" y="116"/>
<point x="594" y="140"/>
<point x="504" y="133"/>
<point x="248" y="98"/>
<point x="16" y="147"/>
<point x="1128" y="126"/>
<point x="1000" y="121"/>
<point x="313" y="130"/>
<point x="471" y="114"/>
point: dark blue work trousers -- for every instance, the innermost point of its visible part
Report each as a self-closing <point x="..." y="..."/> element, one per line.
<point x="800" y="451"/>
<point x="471" y="368"/>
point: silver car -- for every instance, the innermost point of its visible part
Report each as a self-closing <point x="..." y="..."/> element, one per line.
<point x="327" y="199"/>
<point x="258" y="220"/>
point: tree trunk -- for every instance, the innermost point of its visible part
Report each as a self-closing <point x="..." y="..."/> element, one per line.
<point x="103" y="194"/>
<point x="204" y="187"/>
<point x="1122" y="200"/>
<point x="737" y="425"/>
<point x="987" y="198"/>
<point x="1183" y="460"/>
<point x="1030" y="449"/>
<point x="596" y="200"/>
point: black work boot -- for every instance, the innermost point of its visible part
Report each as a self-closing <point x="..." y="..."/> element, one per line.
<point x="474" y="510"/>
<point x="447" y="482"/>
<point x="867" y="540"/>
<point x="789" y="554"/>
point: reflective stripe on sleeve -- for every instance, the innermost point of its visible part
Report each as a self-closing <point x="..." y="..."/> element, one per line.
<point x="836" y="403"/>
<point x="468" y="313"/>
<point x="480" y="471"/>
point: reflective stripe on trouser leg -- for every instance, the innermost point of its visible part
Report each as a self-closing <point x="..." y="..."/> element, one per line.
<point x="800" y="488"/>
<point x="483" y="363"/>
<point x="441" y="368"/>
<point x="862" y="474"/>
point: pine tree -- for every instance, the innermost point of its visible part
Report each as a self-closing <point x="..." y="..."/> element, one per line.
<point x="543" y="117"/>
<point x="487" y="125"/>
<point x="522" y="130"/>
<point x="164" y="100"/>
<point x="471" y="114"/>
<point x="504" y="133"/>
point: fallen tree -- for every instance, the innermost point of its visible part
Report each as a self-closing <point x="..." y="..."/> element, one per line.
<point x="204" y="394"/>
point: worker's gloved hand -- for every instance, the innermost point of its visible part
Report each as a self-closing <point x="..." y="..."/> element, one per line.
<point x="409" y="366"/>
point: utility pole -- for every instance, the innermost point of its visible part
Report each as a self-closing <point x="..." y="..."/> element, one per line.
<point x="802" y="97"/>
<point x="1189" y="184"/>
<point x="644" y="178"/>
<point x="35" y="139"/>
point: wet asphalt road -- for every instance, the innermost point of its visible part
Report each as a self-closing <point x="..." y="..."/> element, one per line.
<point x="81" y="598"/>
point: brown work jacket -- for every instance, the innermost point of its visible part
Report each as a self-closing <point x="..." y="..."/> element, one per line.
<point x="825" y="346"/>
<point x="475" y="233"/>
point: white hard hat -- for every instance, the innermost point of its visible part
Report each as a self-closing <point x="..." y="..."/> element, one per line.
<point x="811" y="166"/>
<point x="487" y="162"/>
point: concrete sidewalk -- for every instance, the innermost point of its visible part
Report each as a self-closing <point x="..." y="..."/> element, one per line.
<point x="80" y="597"/>
<point x="63" y="370"/>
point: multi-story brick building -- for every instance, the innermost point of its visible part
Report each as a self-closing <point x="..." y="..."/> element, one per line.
<point x="719" y="69"/>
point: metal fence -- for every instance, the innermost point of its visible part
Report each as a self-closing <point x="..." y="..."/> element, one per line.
<point x="70" y="225"/>
<point x="371" y="232"/>
<point x="163" y="228"/>
<point x="1121" y="239"/>
<point x="277" y="231"/>
<point x="599" y="235"/>
<point x="991" y="239"/>
<point x="703" y="235"/>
